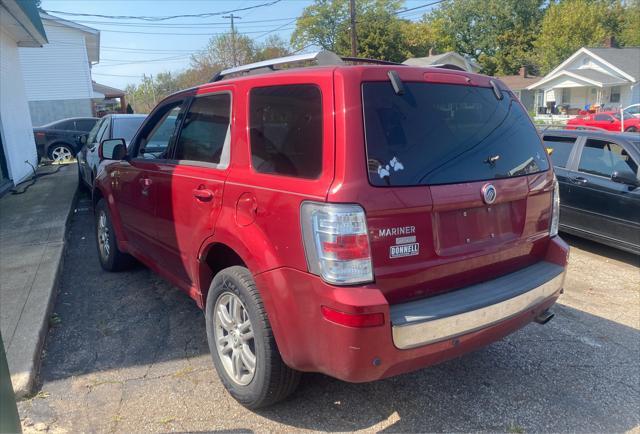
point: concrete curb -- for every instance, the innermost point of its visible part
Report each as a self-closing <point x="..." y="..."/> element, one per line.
<point x="34" y="253"/>
<point x="23" y="383"/>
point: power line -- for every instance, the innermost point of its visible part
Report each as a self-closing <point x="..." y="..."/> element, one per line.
<point x="276" y="29"/>
<point x="178" y="25"/>
<point x="181" y="34"/>
<point x="420" y="7"/>
<point x="163" y="18"/>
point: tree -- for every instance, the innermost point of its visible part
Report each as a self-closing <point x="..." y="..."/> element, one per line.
<point x="219" y="52"/>
<point x="274" y="46"/>
<point x="567" y="26"/>
<point x="321" y="24"/>
<point x="498" y="33"/>
<point x="630" y="25"/>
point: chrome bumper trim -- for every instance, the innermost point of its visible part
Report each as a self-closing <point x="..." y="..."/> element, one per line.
<point x="411" y="335"/>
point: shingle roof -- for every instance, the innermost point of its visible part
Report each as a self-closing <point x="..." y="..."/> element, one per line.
<point x="518" y="82"/>
<point x="600" y="77"/>
<point x="107" y="91"/>
<point x="627" y="59"/>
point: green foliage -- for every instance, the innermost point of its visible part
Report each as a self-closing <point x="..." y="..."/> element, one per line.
<point x="217" y="55"/>
<point x="630" y="25"/>
<point x="321" y="24"/>
<point x="498" y="33"/>
<point x="571" y="24"/>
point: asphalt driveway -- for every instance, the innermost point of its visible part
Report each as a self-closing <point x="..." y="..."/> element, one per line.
<point x="127" y="352"/>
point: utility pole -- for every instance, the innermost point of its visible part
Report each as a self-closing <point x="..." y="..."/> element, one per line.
<point x="233" y="37"/>
<point x="354" y="40"/>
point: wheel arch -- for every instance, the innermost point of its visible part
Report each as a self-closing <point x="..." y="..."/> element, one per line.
<point x="214" y="257"/>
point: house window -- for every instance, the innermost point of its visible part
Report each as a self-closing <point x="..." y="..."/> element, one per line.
<point x="615" y="94"/>
<point x="566" y="94"/>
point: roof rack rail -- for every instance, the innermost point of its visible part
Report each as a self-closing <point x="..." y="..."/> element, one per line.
<point x="322" y="57"/>
<point x="448" y="66"/>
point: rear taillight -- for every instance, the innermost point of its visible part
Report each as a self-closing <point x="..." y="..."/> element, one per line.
<point x="336" y="242"/>
<point x="555" y="211"/>
<point x="353" y="319"/>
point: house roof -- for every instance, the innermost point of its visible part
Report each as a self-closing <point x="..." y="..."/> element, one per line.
<point x="107" y="91"/>
<point x="518" y="82"/>
<point x="23" y="22"/>
<point x="598" y="76"/>
<point x="91" y="35"/>
<point x="622" y="62"/>
<point x="436" y="59"/>
<point x="626" y="59"/>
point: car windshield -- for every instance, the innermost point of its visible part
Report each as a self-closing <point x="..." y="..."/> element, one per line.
<point x="443" y="133"/>
<point x="125" y="128"/>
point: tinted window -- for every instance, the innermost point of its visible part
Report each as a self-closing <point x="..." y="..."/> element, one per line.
<point x="63" y="125"/>
<point x="602" y="158"/>
<point x="125" y="128"/>
<point x="441" y="133"/>
<point x="205" y="129"/>
<point x="91" y="138"/>
<point x="602" y="118"/>
<point x="85" y="124"/>
<point x="158" y="140"/>
<point x="286" y="130"/>
<point x="561" y="148"/>
<point x="102" y="132"/>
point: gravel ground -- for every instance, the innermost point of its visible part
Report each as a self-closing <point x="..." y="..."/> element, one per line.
<point x="127" y="352"/>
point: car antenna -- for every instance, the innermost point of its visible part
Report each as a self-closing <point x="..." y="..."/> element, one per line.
<point x="397" y="84"/>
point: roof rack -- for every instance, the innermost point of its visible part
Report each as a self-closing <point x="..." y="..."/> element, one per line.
<point x="321" y="58"/>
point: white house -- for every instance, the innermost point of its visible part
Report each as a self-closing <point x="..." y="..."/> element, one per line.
<point x="592" y="78"/>
<point x="20" y="26"/>
<point x="58" y="77"/>
<point x="450" y="58"/>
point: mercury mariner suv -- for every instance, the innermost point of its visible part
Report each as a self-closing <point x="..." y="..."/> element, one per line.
<point x="355" y="218"/>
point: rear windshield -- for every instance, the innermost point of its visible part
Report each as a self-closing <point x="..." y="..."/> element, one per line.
<point x="443" y="134"/>
<point x="125" y="128"/>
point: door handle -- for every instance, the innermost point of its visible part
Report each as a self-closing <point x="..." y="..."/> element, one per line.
<point x="579" y="180"/>
<point x="145" y="183"/>
<point x="203" y="194"/>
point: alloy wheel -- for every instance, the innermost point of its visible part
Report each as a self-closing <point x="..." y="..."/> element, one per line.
<point x="103" y="234"/>
<point x="234" y="338"/>
<point x="61" y="154"/>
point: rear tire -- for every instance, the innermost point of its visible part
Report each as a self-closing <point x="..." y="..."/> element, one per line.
<point x="241" y="342"/>
<point x="111" y="258"/>
<point x="631" y="130"/>
<point x="61" y="153"/>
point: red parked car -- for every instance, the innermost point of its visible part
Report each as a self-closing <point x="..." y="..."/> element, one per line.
<point x="361" y="221"/>
<point x="610" y="121"/>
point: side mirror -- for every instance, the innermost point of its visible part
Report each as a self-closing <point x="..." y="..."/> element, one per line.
<point x="626" y="177"/>
<point x="112" y="149"/>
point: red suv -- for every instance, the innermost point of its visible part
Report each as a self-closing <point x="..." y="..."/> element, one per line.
<point x="356" y="220"/>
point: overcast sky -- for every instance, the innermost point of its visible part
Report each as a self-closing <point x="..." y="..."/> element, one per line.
<point x="124" y="57"/>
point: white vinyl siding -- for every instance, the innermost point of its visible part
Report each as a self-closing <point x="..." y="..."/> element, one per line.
<point x="15" y="122"/>
<point x="59" y="70"/>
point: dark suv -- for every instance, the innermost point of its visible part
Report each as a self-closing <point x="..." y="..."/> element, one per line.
<point x="356" y="220"/>
<point x="599" y="177"/>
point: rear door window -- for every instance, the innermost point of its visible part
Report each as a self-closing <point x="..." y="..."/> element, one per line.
<point x="125" y="128"/>
<point x="286" y="130"/>
<point x="560" y="149"/>
<point x="602" y="158"/>
<point x="443" y="134"/>
<point x="205" y="129"/>
<point x="85" y="124"/>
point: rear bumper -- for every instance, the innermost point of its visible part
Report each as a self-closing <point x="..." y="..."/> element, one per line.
<point x="415" y="334"/>
<point x="476" y="307"/>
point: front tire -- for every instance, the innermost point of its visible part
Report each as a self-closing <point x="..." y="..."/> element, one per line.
<point x="241" y="342"/>
<point x="631" y="130"/>
<point x="111" y="258"/>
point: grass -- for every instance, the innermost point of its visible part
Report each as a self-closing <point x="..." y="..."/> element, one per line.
<point x="515" y="429"/>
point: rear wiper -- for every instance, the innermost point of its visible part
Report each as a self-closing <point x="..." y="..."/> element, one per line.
<point x="491" y="160"/>
<point x="398" y="85"/>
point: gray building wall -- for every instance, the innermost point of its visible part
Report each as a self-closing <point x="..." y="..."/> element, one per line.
<point x="43" y="112"/>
